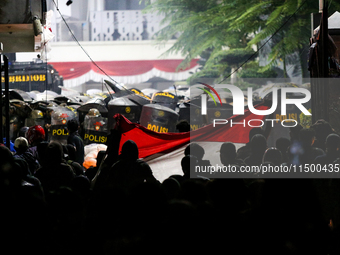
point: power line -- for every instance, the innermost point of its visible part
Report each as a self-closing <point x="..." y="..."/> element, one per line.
<point x="76" y="40"/>
<point x="255" y="53"/>
<point x="303" y="51"/>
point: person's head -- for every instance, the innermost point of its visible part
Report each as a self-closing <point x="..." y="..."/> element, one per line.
<point x="332" y="143"/>
<point x="35" y="135"/>
<point x="10" y="173"/>
<point x="194" y="149"/>
<point x="71" y="152"/>
<point x="227" y="153"/>
<point x="23" y="131"/>
<point x="322" y="129"/>
<point x="272" y="155"/>
<point x="188" y="162"/>
<point x="41" y="149"/>
<point x="282" y="144"/>
<point x="100" y="157"/>
<point x="81" y="184"/>
<point x="307" y="136"/>
<point x="255" y="131"/>
<point x="130" y="150"/>
<point x="183" y="126"/>
<point x="72" y="125"/>
<point x="6" y="158"/>
<point x="20" y="144"/>
<point x="294" y="132"/>
<point x="54" y="153"/>
<point x="171" y="187"/>
<point x="258" y="144"/>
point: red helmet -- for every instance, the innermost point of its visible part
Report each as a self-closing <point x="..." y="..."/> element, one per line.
<point x="35" y="134"/>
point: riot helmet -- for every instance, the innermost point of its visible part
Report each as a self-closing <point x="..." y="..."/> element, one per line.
<point x="37" y="114"/>
<point x="93" y="112"/>
<point x="35" y="134"/>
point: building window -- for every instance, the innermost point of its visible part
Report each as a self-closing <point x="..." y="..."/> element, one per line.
<point x="120" y="5"/>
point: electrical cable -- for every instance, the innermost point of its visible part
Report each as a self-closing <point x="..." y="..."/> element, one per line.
<point x="46" y="83"/>
<point x="76" y="40"/>
<point x="303" y="51"/>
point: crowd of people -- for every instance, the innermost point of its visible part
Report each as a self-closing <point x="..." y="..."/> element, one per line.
<point x="51" y="205"/>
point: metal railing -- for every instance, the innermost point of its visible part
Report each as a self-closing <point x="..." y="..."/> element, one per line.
<point x="131" y="25"/>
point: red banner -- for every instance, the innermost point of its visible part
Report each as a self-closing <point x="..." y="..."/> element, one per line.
<point x="150" y="142"/>
<point x="71" y="70"/>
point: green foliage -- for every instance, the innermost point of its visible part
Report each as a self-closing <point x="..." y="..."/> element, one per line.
<point x="244" y="85"/>
<point x="253" y="70"/>
<point x="235" y="25"/>
<point x="234" y="57"/>
<point x="306" y="120"/>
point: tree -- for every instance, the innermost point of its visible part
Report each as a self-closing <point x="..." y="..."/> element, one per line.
<point x="230" y="28"/>
<point x="287" y="25"/>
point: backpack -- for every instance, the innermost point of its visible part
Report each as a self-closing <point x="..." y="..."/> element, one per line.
<point x="33" y="164"/>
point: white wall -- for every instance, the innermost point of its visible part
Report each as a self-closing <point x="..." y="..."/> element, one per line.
<point x="109" y="51"/>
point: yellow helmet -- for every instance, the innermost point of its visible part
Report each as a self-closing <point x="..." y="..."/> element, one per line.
<point x="37" y="114"/>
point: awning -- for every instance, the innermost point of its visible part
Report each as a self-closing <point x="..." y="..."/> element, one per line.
<point x="127" y="72"/>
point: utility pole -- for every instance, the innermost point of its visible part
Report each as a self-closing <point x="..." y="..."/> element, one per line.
<point x="1" y="124"/>
<point x="8" y="142"/>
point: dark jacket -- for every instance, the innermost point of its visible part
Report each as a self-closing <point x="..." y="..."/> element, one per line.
<point x="31" y="161"/>
<point x="76" y="141"/>
<point x="55" y="176"/>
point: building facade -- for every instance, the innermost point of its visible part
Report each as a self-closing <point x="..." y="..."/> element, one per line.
<point x="116" y="37"/>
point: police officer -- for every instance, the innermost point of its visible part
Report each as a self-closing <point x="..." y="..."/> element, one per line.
<point x="75" y="140"/>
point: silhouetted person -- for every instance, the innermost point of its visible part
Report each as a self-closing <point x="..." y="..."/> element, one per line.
<point x="92" y="171"/>
<point x="294" y="133"/>
<point x="111" y="157"/>
<point x="258" y="146"/>
<point x="22" y="213"/>
<point x="75" y="140"/>
<point x="65" y="215"/>
<point x="35" y="135"/>
<point x="302" y="152"/>
<point x="328" y="188"/>
<point x="197" y="150"/>
<point x="273" y="156"/>
<point x="183" y="126"/>
<point x="188" y="164"/>
<point x="228" y="155"/>
<point x="30" y="183"/>
<point x="332" y="150"/>
<point x="128" y="171"/>
<point x="71" y="153"/>
<point x="282" y="144"/>
<point x="41" y="153"/>
<point x="9" y="175"/>
<point x="54" y="173"/>
<point x="23" y="131"/>
<point x="322" y="129"/>
<point x="282" y="201"/>
<point x="21" y="148"/>
<point x="171" y="188"/>
<point x="245" y="151"/>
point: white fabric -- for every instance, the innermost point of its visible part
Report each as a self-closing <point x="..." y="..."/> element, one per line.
<point x="163" y="166"/>
<point x="133" y="79"/>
